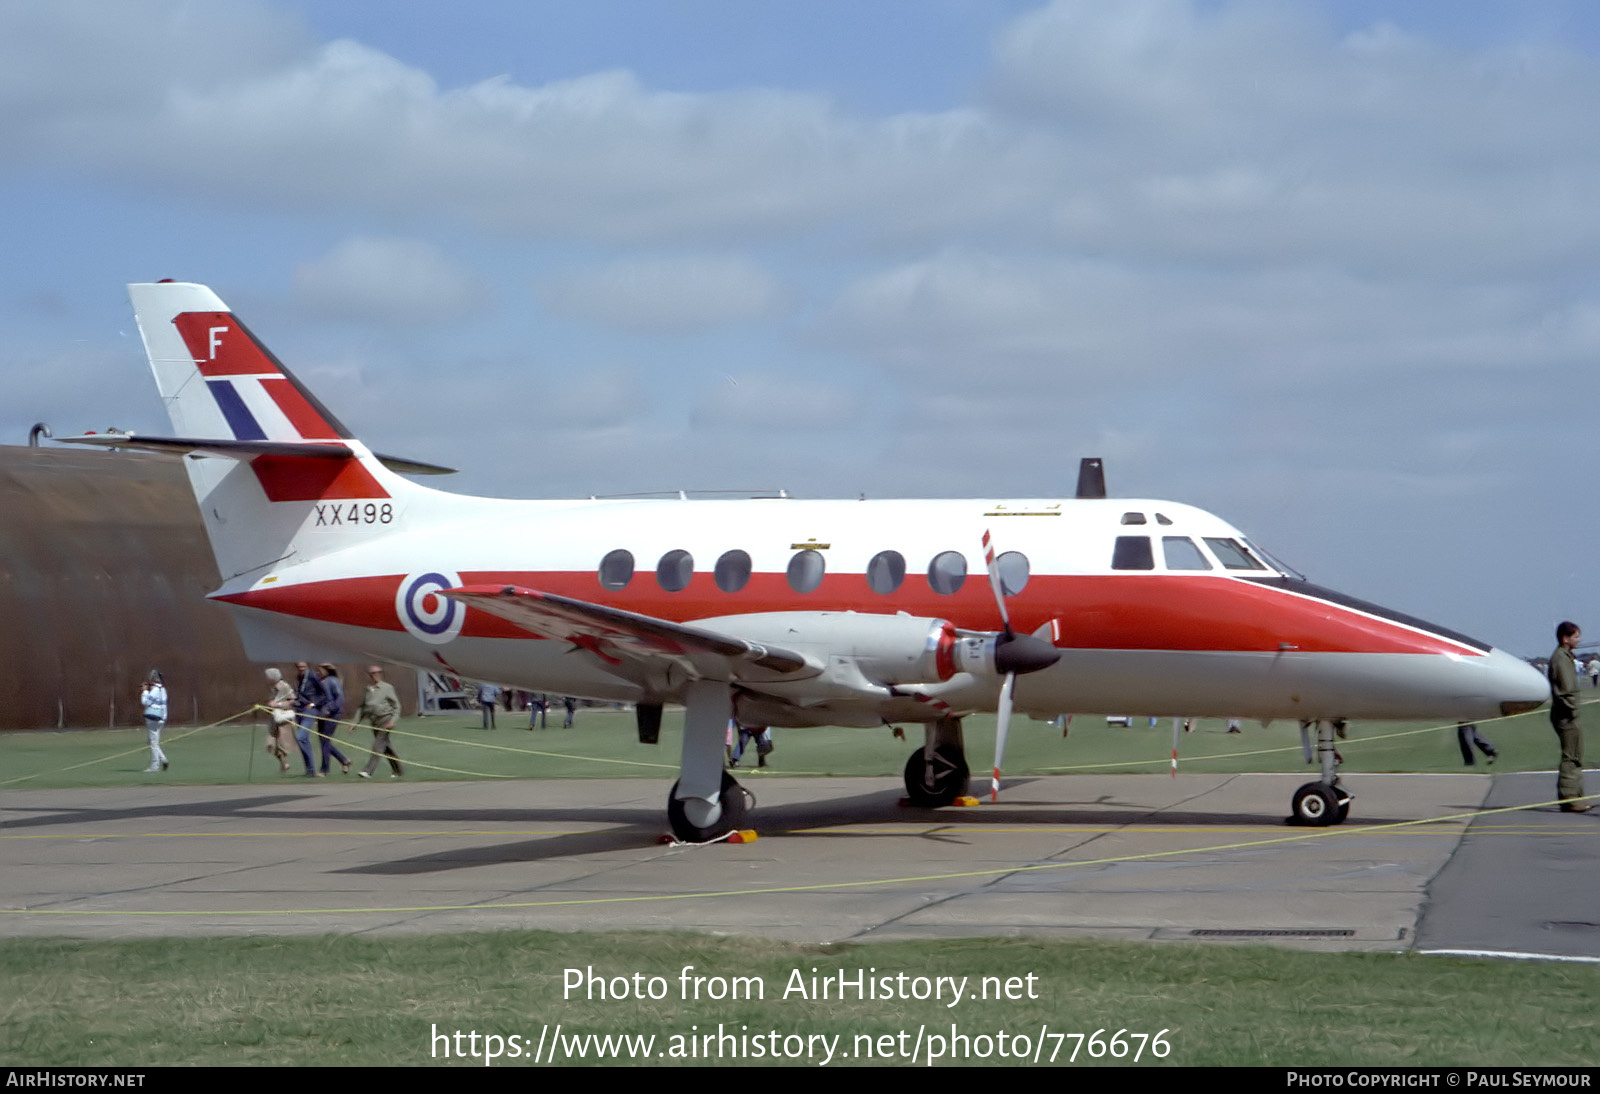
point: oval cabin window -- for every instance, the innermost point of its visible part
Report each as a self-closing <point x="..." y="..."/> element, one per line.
<point x="616" y="570"/>
<point x="886" y="571"/>
<point x="732" y="571"/>
<point x="947" y="572"/>
<point x="805" y="571"/>
<point x="674" y="571"/>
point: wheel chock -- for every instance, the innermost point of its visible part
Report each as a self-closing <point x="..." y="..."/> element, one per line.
<point x="966" y="800"/>
<point x="737" y="835"/>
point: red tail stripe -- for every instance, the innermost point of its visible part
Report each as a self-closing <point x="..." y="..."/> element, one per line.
<point x="300" y="413"/>
<point x="219" y="347"/>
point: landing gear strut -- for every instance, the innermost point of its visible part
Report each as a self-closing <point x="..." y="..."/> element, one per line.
<point x="936" y="774"/>
<point x="705" y="802"/>
<point x="1323" y="802"/>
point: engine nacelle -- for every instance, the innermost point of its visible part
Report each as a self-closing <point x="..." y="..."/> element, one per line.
<point x="885" y="649"/>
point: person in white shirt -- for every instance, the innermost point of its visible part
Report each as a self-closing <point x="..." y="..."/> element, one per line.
<point x="154" y="700"/>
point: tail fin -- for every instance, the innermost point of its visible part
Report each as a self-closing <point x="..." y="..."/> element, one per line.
<point x="271" y="467"/>
<point x="216" y="378"/>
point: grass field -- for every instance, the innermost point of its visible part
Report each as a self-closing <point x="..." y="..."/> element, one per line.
<point x="603" y="744"/>
<point x="377" y="1000"/>
<point x="371" y="1001"/>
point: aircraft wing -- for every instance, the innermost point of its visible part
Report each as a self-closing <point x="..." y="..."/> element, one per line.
<point x="614" y="634"/>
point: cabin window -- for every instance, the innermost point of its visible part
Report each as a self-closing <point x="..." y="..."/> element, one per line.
<point x="947" y="572"/>
<point x="616" y="570"/>
<point x="1133" y="553"/>
<point x="805" y="571"/>
<point x="1181" y="554"/>
<point x="1231" y="555"/>
<point x="733" y="571"/>
<point x="1133" y="518"/>
<point x="1013" y="566"/>
<point x="886" y="571"/>
<point x="674" y="571"/>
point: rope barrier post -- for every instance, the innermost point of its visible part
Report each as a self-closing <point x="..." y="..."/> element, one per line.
<point x="250" y="747"/>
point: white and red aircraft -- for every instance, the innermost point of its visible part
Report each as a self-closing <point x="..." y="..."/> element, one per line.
<point x="773" y="611"/>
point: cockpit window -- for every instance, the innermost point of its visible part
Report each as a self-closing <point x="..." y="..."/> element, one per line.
<point x="1133" y="518"/>
<point x="1133" y="553"/>
<point x="1274" y="562"/>
<point x="1161" y="519"/>
<point x="1180" y="553"/>
<point x="1232" y="555"/>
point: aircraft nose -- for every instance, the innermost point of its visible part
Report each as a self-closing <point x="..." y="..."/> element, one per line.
<point x="1517" y="685"/>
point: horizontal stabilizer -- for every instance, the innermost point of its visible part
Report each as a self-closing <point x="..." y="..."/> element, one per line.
<point x="235" y="449"/>
<point x="621" y="632"/>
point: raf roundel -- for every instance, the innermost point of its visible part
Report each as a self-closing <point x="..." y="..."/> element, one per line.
<point x="424" y="613"/>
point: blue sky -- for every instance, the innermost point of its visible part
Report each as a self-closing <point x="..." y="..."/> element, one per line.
<point x="1327" y="270"/>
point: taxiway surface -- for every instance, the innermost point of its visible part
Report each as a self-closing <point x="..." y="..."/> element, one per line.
<point x="1149" y="857"/>
<point x="1124" y="856"/>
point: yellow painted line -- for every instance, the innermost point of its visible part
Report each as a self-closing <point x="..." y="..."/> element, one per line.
<point x="514" y="905"/>
<point x="82" y="836"/>
<point x="911" y="830"/>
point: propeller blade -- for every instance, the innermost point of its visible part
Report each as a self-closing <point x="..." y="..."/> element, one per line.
<point x="994" y="580"/>
<point x="1002" y="726"/>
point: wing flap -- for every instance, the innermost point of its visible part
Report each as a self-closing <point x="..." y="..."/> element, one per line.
<point x="623" y="633"/>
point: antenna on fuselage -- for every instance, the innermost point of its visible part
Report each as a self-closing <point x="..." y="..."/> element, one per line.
<point x="1091" y="477"/>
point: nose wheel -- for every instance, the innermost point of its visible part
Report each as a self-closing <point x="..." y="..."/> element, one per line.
<point x="1317" y="805"/>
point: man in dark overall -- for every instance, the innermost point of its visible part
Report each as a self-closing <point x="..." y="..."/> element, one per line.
<point x="1564" y="717"/>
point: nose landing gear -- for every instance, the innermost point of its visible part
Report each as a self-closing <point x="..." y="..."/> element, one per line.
<point x="1317" y="805"/>
<point x="1323" y="802"/>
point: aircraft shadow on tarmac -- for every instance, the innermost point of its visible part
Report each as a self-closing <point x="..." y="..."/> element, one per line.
<point x="635" y="826"/>
<point x="828" y="818"/>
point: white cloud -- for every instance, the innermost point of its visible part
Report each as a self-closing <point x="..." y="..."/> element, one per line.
<point x="665" y="295"/>
<point x="397" y="281"/>
<point x="765" y="403"/>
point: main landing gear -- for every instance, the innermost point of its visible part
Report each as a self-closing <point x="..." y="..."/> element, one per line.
<point x="937" y="774"/>
<point x="706" y="802"/>
<point x="1323" y="802"/>
<point x="688" y="815"/>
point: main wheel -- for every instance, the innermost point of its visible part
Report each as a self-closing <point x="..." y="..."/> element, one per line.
<point x="949" y="778"/>
<point x="1317" y="805"/>
<point x="735" y="804"/>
